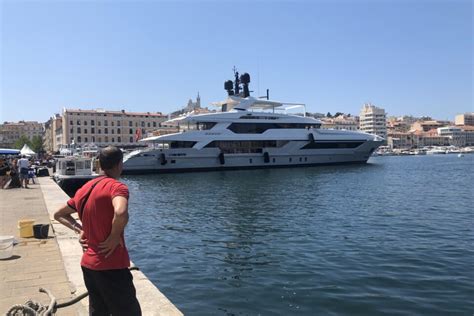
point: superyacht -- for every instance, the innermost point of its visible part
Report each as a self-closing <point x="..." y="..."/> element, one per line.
<point x="248" y="133"/>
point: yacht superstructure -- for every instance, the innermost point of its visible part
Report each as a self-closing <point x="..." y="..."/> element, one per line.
<point x="249" y="133"/>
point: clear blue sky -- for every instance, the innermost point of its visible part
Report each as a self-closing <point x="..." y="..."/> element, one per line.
<point x="409" y="57"/>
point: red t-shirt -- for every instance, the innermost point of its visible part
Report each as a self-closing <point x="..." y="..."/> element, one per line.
<point x="96" y="218"/>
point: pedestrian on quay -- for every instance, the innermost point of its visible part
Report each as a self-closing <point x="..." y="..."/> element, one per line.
<point x="14" y="181"/>
<point x="4" y="168"/>
<point x="24" y="164"/>
<point x="102" y="206"/>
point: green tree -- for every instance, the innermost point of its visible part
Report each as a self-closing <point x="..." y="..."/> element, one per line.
<point x="22" y="141"/>
<point x="37" y="144"/>
<point x="329" y="114"/>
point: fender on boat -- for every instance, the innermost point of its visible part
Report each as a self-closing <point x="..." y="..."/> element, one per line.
<point x="163" y="160"/>
<point x="221" y="158"/>
<point x="266" y="157"/>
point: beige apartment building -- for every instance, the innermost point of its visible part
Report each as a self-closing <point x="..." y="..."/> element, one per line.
<point x="52" y="137"/>
<point x="373" y="120"/>
<point x="425" y="126"/>
<point x="465" y="119"/>
<point x="10" y="132"/>
<point x="102" y="128"/>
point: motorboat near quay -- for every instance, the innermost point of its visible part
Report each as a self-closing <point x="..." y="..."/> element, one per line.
<point x="73" y="172"/>
<point x="248" y="133"/>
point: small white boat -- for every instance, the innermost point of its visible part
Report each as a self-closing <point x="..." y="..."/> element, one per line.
<point x="436" y="151"/>
<point x="73" y="172"/>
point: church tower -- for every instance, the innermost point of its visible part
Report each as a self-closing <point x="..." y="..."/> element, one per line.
<point x="198" y="101"/>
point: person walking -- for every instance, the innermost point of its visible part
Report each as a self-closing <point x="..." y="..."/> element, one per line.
<point x="24" y="164"/>
<point x="102" y="206"/>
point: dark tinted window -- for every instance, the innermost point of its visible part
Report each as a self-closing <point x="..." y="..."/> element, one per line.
<point x="258" y="128"/>
<point x="182" y="144"/>
<point x="325" y="145"/>
<point x="240" y="147"/>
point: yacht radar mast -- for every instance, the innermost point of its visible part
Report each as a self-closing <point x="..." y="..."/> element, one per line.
<point x="233" y="88"/>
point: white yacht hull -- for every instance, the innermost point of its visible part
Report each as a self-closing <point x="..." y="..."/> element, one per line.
<point x="210" y="159"/>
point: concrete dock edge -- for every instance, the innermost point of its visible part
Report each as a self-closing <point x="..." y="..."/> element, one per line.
<point x="152" y="301"/>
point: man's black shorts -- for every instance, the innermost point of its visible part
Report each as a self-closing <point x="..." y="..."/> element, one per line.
<point x="111" y="292"/>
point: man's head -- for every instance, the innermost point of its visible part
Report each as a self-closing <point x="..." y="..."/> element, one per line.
<point x="111" y="161"/>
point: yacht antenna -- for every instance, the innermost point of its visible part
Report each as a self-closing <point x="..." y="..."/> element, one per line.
<point x="237" y="81"/>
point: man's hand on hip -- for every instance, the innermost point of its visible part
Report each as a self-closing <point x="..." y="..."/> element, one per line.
<point x="108" y="246"/>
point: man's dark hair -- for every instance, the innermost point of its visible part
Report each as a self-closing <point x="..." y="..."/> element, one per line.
<point x="109" y="157"/>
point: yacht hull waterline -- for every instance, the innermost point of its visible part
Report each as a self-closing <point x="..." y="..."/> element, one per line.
<point x="164" y="161"/>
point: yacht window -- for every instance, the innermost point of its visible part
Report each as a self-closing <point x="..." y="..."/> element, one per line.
<point x="259" y="128"/>
<point x="273" y="159"/>
<point x="326" y="145"/>
<point x="253" y="117"/>
<point x="182" y="144"/>
<point x="242" y="147"/>
<point x="202" y="126"/>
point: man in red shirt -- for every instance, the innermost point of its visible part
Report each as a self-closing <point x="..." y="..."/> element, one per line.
<point x="102" y="205"/>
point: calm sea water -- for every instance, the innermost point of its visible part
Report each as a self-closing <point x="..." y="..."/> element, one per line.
<point x="395" y="236"/>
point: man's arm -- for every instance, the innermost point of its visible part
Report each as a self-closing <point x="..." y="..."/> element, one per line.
<point x="63" y="215"/>
<point x="119" y="222"/>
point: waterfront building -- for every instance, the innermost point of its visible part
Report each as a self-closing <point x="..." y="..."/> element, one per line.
<point x="373" y="120"/>
<point x="403" y="140"/>
<point x="457" y="137"/>
<point x="10" y="132"/>
<point x="429" y="138"/>
<point x="468" y="134"/>
<point x="52" y="137"/>
<point x="341" y="122"/>
<point x="48" y="136"/>
<point x="102" y="128"/>
<point x="465" y="119"/>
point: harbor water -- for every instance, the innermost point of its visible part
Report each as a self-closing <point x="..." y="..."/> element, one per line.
<point x="393" y="236"/>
